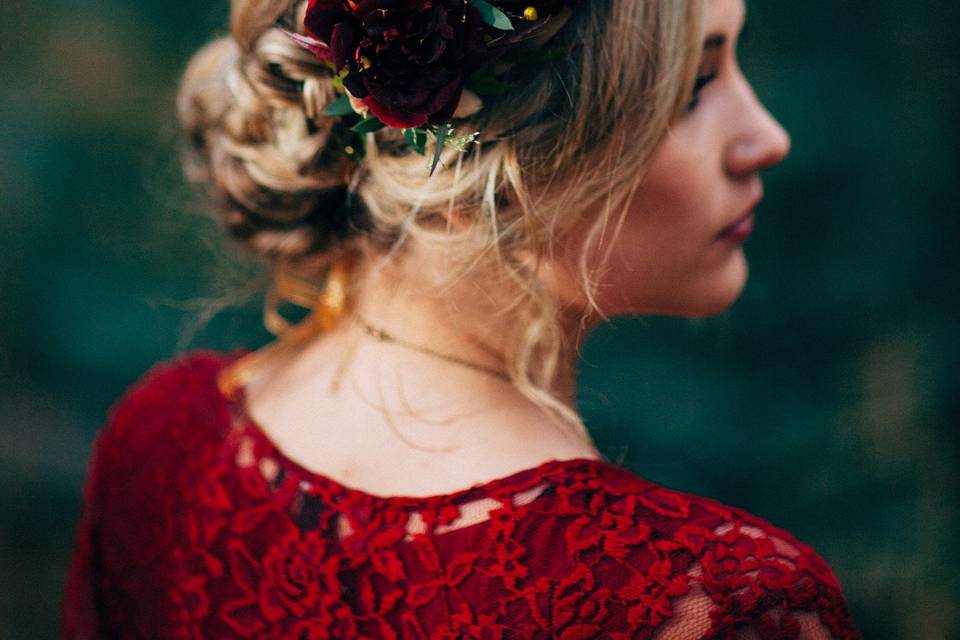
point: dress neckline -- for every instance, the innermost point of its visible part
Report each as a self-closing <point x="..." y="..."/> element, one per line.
<point x="514" y="482"/>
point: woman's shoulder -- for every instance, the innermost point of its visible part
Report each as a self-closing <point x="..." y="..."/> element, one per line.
<point x="188" y="380"/>
<point x="628" y="505"/>
<point x="168" y="410"/>
<point x="700" y="562"/>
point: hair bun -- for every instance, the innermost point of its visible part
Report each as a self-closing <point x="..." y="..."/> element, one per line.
<point x="306" y="224"/>
<point x="279" y="178"/>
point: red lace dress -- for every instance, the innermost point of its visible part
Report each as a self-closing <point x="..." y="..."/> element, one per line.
<point x="196" y="526"/>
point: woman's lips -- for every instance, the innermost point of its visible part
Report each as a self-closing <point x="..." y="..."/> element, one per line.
<point x="740" y="230"/>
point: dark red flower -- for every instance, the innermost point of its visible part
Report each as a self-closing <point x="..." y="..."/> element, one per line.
<point x="407" y="60"/>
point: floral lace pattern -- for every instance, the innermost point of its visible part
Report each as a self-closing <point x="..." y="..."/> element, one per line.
<point x="196" y="526"/>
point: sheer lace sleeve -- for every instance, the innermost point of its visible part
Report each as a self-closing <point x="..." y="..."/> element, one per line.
<point x="756" y="582"/>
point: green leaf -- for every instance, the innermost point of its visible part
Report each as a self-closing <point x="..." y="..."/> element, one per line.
<point x="485" y="83"/>
<point x="367" y="125"/>
<point x="339" y="107"/>
<point x="416" y="139"/>
<point x="492" y="16"/>
<point x="532" y="55"/>
<point x="359" y="148"/>
<point x="442" y="132"/>
<point x="338" y="78"/>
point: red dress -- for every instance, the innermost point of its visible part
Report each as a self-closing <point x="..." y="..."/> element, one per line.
<point x="196" y="526"/>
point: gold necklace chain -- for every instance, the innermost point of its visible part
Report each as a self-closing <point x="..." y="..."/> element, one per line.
<point x="383" y="336"/>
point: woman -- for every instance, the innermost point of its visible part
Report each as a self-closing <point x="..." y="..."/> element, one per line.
<point x="408" y="460"/>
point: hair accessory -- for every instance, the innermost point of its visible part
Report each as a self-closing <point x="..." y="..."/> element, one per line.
<point x="416" y="65"/>
<point x="328" y="304"/>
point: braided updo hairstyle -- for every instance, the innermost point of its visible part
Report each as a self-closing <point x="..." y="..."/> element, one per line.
<point x="279" y="174"/>
<point x="570" y="142"/>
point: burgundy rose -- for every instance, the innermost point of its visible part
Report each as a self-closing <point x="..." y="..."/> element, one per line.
<point x="407" y="60"/>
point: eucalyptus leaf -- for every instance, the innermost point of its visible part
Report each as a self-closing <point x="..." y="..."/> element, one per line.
<point x="532" y="55"/>
<point x="368" y="125"/>
<point x="485" y="83"/>
<point x="442" y="132"/>
<point x="416" y="139"/>
<point x="492" y="16"/>
<point x="339" y="107"/>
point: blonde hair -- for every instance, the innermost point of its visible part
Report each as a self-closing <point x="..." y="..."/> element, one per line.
<point x="569" y="143"/>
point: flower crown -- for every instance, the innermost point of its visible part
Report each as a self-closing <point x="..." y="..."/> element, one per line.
<point x="417" y="64"/>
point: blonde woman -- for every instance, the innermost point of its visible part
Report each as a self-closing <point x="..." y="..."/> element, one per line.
<point x="458" y="191"/>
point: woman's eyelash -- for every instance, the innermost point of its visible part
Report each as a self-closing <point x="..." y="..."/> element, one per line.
<point x="700" y="83"/>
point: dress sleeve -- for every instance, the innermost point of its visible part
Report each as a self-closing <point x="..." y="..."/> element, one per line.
<point x="119" y="517"/>
<point x="80" y="617"/>
<point x="756" y="582"/>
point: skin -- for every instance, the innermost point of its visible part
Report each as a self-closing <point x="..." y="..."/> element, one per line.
<point x="668" y="259"/>
<point x="421" y="425"/>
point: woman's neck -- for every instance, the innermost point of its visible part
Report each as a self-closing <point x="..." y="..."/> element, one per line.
<point x="396" y="420"/>
<point x="438" y="325"/>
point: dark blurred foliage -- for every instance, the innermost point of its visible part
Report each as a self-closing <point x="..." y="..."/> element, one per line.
<point x="826" y="400"/>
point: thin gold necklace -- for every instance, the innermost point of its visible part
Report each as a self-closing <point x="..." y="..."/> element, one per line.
<point x="383" y="336"/>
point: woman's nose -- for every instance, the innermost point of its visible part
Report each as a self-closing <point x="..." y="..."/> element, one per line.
<point x="760" y="142"/>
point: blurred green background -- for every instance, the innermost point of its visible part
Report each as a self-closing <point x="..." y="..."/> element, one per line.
<point x="826" y="400"/>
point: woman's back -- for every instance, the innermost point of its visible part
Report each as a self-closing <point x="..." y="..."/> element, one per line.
<point x="345" y="406"/>
<point x="196" y="525"/>
<point x="615" y="172"/>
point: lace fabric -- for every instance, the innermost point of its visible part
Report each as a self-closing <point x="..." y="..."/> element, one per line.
<point x="196" y="526"/>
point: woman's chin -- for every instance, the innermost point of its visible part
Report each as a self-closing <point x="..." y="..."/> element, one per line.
<point x="717" y="294"/>
<point x="698" y="295"/>
<point x="704" y="295"/>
